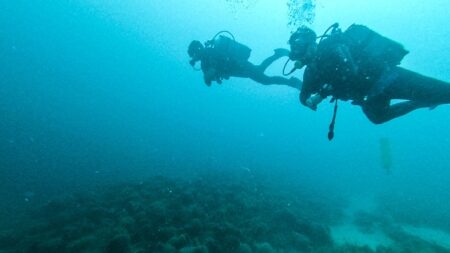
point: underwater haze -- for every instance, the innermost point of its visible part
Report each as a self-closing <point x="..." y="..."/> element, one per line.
<point x="111" y="142"/>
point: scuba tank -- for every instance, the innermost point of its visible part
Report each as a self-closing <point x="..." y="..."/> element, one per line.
<point x="228" y="47"/>
<point x="372" y="50"/>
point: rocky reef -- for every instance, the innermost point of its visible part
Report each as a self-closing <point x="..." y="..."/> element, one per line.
<point x="210" y="214"/>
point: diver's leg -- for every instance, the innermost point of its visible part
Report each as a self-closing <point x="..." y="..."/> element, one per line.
<point x="375" y="109"/>
<point x="378" y="110"/>
<point x="278" y="53"/>
<point x="402" y="108"/>
<point x="415" y="87"/>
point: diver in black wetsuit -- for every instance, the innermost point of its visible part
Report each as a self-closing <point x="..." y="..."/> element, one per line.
<point x="362" y="66"/>
<point x="223" y="57"/>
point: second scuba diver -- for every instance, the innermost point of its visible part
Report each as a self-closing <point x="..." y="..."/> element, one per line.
<point x="361" y="65"/>
<point x="224" y="57"/>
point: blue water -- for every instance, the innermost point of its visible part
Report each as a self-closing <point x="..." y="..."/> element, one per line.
<point x="101" y="92"/>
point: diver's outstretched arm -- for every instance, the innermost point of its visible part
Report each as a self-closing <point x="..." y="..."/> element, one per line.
<point x="270" y="80"/>
<point x="278" y="53"/>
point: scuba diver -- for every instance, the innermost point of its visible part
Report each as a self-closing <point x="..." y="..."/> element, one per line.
<point x="223" y="57"/>
<point x="361" y="65"/>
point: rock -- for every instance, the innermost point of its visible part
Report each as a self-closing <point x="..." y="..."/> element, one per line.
<point x="264" y="247"/>
<point x="195" y="227"/>
<point x="197" y="249"/>
<point x="165" y="233"/>
<point x="214" y="245"/>
<point x="7" y="240"/>
<point x="97" y="214"/>
<point x="230" y="243"/>
<point x="167" y="248"/>
<point x="366" y="222"/>
<point x="48" y="246"/>
<point x="319" y="235"/>
<point x="81" y="245"/>
<point x="301" y="242"/>
<point x="244" y="248"/>
<point x="178" y="241"/>
<point x="119" y="244"/>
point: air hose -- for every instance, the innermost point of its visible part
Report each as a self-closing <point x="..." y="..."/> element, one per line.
<point x="224" y="31"/>
<point x="284" y="68"/>
<point x="324" y="35"/>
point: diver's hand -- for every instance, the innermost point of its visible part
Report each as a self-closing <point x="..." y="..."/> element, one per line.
<point x="311" y="105"/>
<point x="313" y="101"/>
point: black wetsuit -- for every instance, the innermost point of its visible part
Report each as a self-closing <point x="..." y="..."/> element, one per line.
<point x="372" y="88"/>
